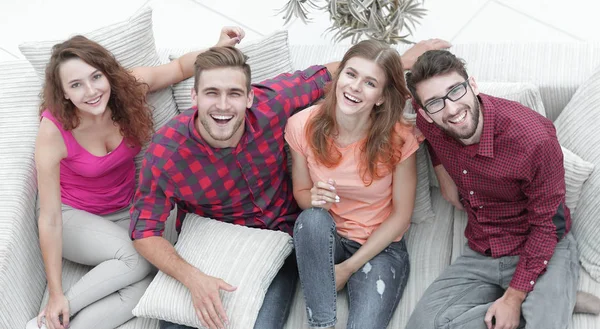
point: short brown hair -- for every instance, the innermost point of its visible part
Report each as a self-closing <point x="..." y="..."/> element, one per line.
<point x="220" y="57"/>
<point x="127" y="97"/>
<point x="431" y="64"/>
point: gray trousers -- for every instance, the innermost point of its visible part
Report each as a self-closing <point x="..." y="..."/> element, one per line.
<point x="106" y="295"/>
<point x="462" y="294"/>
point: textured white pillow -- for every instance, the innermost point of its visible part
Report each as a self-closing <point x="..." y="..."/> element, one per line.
<point x="577" y="130"/>
<point x="267" y="57"/>
<point x="422" y="210"/>
<point x="577" y="171"/>
<point x="246" y="258"/>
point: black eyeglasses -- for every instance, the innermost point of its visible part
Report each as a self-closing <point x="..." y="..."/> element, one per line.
<point x="456" y="93"/>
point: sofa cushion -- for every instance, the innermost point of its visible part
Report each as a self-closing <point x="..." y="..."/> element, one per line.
<point x="244" y="257"/>
<point x="22" y="277"/>
<point x="429" y="246"/>
<point x="422" y="210"/>
<point x="577" y="130"/>
<point x="267" y="58"/>
<point x="589" y="285"/>
<point x="514" y="62"/>
<point x="577" y="171"/>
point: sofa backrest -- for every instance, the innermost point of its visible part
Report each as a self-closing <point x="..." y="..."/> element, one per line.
<point x="556" y="68"/>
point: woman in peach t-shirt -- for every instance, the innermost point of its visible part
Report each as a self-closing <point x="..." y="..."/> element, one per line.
<point x="354" y="173"/>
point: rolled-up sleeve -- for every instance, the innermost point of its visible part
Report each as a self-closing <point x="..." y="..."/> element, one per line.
<point x="153" y="199"/>
<point x="290" y="92"/>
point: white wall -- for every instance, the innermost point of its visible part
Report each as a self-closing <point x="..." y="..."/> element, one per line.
<point x="195" y="23"/>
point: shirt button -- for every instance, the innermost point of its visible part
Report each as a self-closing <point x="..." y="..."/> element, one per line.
<point x="532" y="283"/>
<point x="545" y="262"/>
<point x="464" y="172"/>
<point x="471" y="192"/>
<point x="480" y="207"/>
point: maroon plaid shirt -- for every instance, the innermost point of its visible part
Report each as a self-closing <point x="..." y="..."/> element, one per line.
<point x="247" y="184"/>
<point x="511" y="184"/>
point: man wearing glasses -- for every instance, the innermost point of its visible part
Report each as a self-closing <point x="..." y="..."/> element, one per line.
<point x="501" y="163"/>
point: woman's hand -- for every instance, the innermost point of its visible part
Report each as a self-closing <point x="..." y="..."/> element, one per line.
<point x="230" y="36"/>
<point x="56" y="313"/>
<point x="323" y="194"/>
<point x="342" y="275"/>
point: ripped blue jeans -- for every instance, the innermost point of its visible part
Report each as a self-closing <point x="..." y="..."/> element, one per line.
<point x="374" y="291"/>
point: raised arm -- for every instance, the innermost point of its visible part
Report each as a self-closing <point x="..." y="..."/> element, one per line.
<point x="49" y="150"/>
<point x="412" y="54"/>
<point x="162" y="76"/>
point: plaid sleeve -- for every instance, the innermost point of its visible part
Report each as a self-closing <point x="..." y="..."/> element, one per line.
<point x="153" y="199"/>
<point x="545" y="190"/>
<point x="289" y="92"/>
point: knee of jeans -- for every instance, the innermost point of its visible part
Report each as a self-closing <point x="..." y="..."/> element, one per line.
<point x="313" y="220"/>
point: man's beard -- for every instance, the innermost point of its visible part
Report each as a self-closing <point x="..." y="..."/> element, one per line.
<point x="474" y="112"/>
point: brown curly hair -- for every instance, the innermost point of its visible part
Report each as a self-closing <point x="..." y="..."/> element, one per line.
<point x="383" y="143"/>
<point x="128" y="96"/>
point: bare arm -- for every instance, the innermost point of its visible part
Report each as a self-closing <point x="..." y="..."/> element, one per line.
<point x="332" y="67"/>
<point x="158" y="251"/>
<point x="162" y="76"/>
<point x="410" y="56"/>
<point x="307" y="193"/>
<point x="301" y="181"/>
<point x="403" y="198"/>
<point x="49" y="150"/>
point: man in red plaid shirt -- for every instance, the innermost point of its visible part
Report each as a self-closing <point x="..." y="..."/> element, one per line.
<point x="501" y="163"/>
<point x="224" y="159"/>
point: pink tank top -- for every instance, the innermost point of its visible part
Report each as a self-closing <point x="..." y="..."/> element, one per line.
<point x="96" y="184"/>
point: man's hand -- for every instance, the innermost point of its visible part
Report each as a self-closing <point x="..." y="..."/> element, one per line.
<point x="506" y="310"/>
<point x="207" y="302"/>
<point x="410" y="56"/>
<point x="448" y="187"/>
<point x="342" y="275"/>
<point x="230" y="36"/>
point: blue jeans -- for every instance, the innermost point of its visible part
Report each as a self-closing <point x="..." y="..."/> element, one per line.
<point x="276" y="305"/>
<point x="374" y="291"/>
<point x="462" y="294"/>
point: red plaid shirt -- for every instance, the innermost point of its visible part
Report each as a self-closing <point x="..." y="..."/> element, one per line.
<point x="511" y="184"/>
<point x="247" y="184"/>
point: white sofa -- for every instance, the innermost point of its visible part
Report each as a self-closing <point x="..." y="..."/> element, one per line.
<point x="552" y="71"/>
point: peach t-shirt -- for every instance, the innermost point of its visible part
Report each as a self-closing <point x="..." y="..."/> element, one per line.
<point x="361" y="208"/>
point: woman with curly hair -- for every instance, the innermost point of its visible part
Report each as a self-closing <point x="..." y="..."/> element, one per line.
<point x="94" y="121"/>
<point x="354" y="173"/>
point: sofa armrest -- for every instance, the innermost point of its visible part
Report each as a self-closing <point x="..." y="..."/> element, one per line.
<point x="22" y="278"/>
